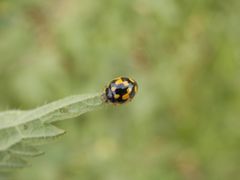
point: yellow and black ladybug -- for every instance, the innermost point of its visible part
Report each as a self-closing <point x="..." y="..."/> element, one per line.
<point x="120" y="90"/>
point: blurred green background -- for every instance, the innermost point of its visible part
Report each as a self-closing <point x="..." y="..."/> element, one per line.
<point x="185" y="55"/>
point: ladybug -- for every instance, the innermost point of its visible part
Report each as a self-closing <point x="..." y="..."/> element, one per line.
<point x="120" y="90"/>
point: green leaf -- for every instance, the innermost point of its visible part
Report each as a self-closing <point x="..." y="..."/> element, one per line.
<point x="25" y="150"/>
<point x="9" y="161"/>
<point x="21" y="131"/>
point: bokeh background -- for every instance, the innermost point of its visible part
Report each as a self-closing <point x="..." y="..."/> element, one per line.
<point x="185" y="55"/>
